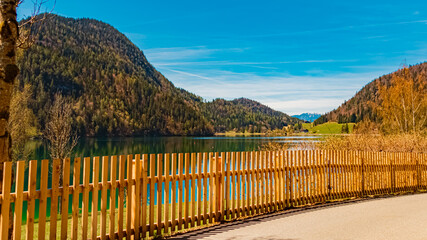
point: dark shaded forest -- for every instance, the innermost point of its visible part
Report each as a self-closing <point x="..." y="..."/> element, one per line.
<point x="243" y="114"/>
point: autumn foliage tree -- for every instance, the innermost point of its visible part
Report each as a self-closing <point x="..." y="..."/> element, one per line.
<point x="403" y="103"/>
<point x="22" y="123"/>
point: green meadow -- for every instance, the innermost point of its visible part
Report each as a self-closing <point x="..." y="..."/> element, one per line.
<point x="328" y="128"/>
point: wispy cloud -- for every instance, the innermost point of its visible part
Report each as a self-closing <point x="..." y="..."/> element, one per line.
<point x="321" y="105"/>
<point x="184" y="53"/>
<point x="204" y="56"/>
<point x="181" y="53"/>
<point x="290" y="94"/>
<point x="295" y="81"/>
<point x="342" y="28"/>
<point x="197" y="69"/>
<point x="228" y="63"/>
<point x="190" y="74"/>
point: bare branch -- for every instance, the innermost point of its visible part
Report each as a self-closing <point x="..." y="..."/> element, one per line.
<point x="59" y="132"/>
<point x="25" y="39"/>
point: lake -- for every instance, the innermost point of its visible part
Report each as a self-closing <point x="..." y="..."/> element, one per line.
<point x="89" y="147"/>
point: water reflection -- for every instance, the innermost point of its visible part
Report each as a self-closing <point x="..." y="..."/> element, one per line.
<point x="116" y="146"/>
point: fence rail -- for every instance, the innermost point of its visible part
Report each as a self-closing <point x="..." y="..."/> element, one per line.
<point x="145" y="195"/>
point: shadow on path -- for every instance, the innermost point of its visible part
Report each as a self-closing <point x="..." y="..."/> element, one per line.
<point x="228" y="226"/>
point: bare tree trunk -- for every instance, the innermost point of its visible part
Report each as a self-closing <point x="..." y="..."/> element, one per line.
<point x="8" y="72"/>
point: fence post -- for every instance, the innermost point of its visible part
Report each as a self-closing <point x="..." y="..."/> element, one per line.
<point x="391" y="173"/>
<point x="417" y="169"/>
<point x="5" y="205"/>
<point x="322" y="175"/>
<point x="133" y="199"/>
<point x="329" y="175"/>
<point x="288" y="179"/>
<point x="363" y="172"/>
<point x="219" y="187"/>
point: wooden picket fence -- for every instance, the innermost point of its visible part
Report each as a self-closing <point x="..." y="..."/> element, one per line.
<point x="137" y="196"/>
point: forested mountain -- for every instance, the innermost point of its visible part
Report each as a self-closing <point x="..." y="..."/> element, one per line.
<point x="363" y="104"/>
<point x="310" y="117"/>
<point x="114" y="90"/>
<point x="244" y="115"/>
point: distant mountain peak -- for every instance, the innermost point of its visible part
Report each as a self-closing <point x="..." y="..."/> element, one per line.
<point x="310" y="117"/>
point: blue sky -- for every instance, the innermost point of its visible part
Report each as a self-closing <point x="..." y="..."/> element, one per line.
<point x="294" y="56"/>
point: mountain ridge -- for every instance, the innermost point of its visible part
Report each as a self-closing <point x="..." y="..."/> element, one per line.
<point x="113" y="88"/>
<point x="360" y="106"/>
<point x="310" y="117"/>
<point x="253" y="116"/>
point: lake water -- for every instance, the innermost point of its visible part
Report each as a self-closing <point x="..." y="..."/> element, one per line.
<point x="90" y="147"/>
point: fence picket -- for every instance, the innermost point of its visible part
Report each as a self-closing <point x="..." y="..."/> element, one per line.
<point x="281" y="189"/>
<point x="75" y="199"/>
<point x="159" y="192"/>
<point x="43" y="199"/>
<point x="290" y="179"/>
<point x="253" y="183"/>
<point x="95" y="181"/>
<point x="270" y="169"/>
<point x="258" y="182"/>
<point x="180" y="193"/>
<point x="244" y="182"/>
<point x="199" y="189"/>
<point x="299" y="180"/>
<point x="32" y="177"/>
<point x="5" y="206"/>
<point x="219" y="188"/>
<point x="104" y="177"/>
<point x="304" y="166"/>
<point x="136" y="193"/>
<point x="65" y="198"/>
<point x="121" y="199"/>
<point x="227" y="184"/>
<point x="233" y="185"/>
<point x="113" y="178"/>
<point x="264" y="180"/>
<point x="247" y="184"/>
<point x="205" y="189"/>
<point x="54" y="198"/>
<point x="213" y="187"/>
<point x="19" y="190"/>
<point x="193" y="189"/>
<point x="238" y="182"/>
<point x="173" y="210"/>
<point x="152" y="181"/>
<point x="85" y="197"/>
<point x="129" y="197"/>
<point x="166" y="204"/>
<point x="187" y="192"/>
<point x="144" y="195"/>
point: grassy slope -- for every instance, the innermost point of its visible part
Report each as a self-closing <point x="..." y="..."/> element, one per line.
<point x="327" y="128"/>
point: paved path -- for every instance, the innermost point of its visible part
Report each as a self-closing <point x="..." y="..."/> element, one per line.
<point x="402" y="217"/>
